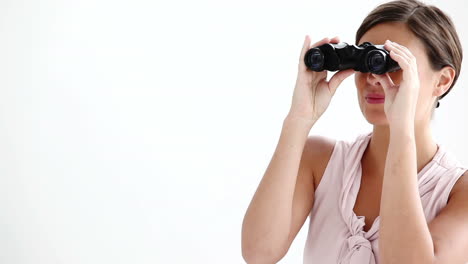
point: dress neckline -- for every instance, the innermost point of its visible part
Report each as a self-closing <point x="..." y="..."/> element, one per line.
<point x="372" y="232"/>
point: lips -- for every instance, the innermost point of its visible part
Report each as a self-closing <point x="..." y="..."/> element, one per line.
<point x="375" y="96"/>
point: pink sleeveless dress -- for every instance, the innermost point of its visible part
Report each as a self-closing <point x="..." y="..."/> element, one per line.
<point x="336" y="234"/>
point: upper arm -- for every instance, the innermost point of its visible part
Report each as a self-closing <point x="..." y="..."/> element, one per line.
<point x="449" y="229"/>
<point x="315" y="156"/>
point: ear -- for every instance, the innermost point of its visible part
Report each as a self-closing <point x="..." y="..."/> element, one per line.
<point x="445" y="80"/>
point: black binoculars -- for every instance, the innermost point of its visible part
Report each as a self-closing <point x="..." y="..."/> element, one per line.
<point x="364" y="58"/>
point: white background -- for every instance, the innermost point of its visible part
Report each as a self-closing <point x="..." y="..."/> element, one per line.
<point x="138" y="131"/>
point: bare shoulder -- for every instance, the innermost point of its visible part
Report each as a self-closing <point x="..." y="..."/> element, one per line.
<point x="460" y="187"/>
<point x="319" y="149"/>
<point x="449" y="229"/>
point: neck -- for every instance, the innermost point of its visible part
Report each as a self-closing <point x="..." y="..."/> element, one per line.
<point x="375" y="154"/>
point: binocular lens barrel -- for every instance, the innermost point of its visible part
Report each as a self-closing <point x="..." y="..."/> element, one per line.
<point x="315" y="60"/>
<point x="376" y="61"/>
<point x="341" y="56"/>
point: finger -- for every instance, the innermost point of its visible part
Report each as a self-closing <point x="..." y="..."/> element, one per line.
<point x="335" y="40"/>
<point x="408" y="69"/>
<point x="338" y="78"/>
<point x="387" y="78"/>
<point x="404" y="49"/>
<point x="408" y="55"/>
<point x="305" y="47"/>
<point x="385" y="81"/>
<point x="397" y="54"/>
<point x="390" y="46"/>
<point x="323" y="41"/>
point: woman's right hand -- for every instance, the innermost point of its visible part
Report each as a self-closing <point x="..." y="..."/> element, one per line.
<point x="312" y="93"/>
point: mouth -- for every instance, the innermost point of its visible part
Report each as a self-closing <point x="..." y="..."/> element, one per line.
<point x="375" y="96"/>
<point x="375" y="100"/>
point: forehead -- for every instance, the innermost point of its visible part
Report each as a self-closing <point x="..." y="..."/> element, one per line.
<point x="397" y="32"/>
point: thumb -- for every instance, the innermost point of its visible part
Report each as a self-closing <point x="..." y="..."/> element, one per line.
<point x="338" y="78"/>
<point x="387" y="84"/>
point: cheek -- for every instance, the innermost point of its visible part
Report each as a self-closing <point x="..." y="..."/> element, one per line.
<point x="360" y="80"/>
<point x="426" y="86"/>
<point x="427" y="81"/>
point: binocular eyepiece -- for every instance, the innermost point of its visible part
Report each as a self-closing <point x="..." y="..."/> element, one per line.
<point x="364" y="58"/>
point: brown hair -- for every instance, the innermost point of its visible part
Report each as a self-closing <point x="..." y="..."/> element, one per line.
<point x="430" y="24"/>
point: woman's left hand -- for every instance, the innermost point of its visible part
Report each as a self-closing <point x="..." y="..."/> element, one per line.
<point x="401" y="100"/>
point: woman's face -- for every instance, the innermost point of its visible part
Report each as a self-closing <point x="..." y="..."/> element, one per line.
<point x="366" y="83"/>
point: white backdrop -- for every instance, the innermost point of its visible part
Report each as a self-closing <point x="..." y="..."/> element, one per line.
<point x="138" y="131"/>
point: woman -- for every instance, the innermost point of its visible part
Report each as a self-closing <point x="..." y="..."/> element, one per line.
<point x="391" y="196"/>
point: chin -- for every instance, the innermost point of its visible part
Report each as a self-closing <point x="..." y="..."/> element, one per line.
<point x="375" y="116"/>
<point x="377" y="122"/>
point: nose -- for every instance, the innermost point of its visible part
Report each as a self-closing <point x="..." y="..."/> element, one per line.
<point x="371" y="79"/>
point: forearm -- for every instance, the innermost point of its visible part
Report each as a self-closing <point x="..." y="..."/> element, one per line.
<point x="267" y="222"/>
<point x="404" y="235"/>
